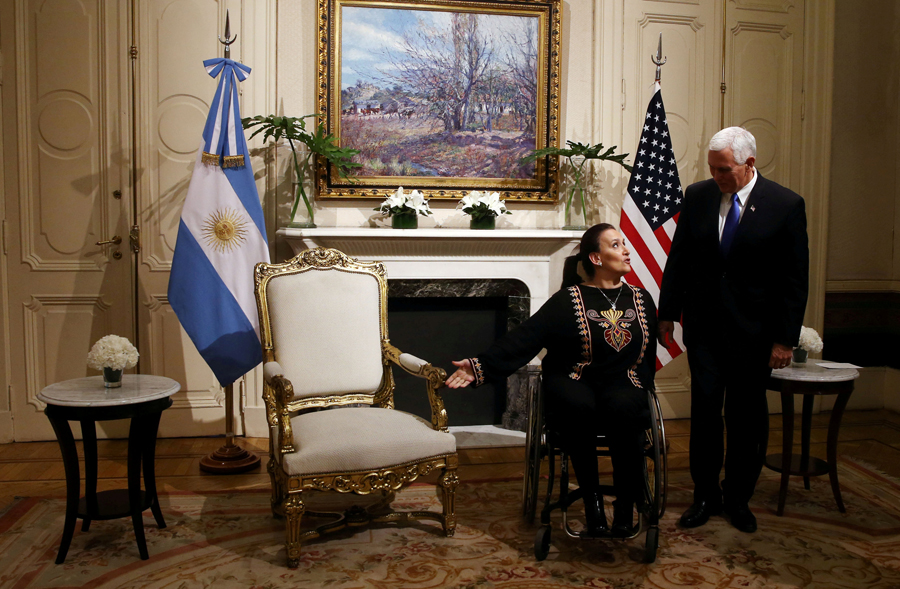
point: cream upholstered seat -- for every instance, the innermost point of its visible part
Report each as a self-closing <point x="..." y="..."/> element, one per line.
<point x="329" y="393"/>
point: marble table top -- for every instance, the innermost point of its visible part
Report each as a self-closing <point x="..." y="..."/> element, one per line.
<point x="812" y="372"/>
<point x="90" y="392"/>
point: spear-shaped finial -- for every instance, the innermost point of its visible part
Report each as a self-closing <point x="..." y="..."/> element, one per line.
<point x="228" y="40"/>
<point x="659" y="60"/>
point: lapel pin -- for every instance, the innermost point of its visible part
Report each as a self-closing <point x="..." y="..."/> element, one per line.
<point x="752" y="208"/>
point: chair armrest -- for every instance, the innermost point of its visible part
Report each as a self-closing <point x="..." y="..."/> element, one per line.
<point x="282" y="393"/>
<point x="271" y="370"/>
<point x="434" y="380"/>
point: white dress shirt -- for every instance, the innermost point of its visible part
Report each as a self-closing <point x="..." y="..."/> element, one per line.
<point x="743" y="195"/>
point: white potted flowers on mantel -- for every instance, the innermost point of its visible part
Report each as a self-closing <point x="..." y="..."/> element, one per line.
<point x="404" y="208"/>
<point x="483" y="208"/>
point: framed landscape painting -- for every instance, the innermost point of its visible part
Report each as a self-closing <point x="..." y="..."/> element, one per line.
<point x="444" y="96"/>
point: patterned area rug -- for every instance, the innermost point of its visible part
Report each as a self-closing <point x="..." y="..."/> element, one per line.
<point x="231" y="540"/>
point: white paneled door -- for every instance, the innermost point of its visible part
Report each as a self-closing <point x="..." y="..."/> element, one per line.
<point x="174" y="37"/>
<point x="90" y="76"/>
<point x="71" y="269"/>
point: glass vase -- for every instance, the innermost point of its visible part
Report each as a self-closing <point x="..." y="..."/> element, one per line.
<point x="800" y="356"/>
<point x="488" y="222"/>
<point x="300" y="209"/>
<point x="405" y="221"/>
<point x="112" y="379"/>
<point x="573" y="192"/>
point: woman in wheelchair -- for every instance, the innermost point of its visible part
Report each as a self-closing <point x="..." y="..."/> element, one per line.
<point x="601" y="358"/>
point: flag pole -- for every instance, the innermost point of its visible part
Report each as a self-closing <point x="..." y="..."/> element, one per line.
<point x="230" y="458"/>
<point x="658" y="59"/>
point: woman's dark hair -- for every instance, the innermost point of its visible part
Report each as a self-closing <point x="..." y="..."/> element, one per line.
<point x="590" y="243"/>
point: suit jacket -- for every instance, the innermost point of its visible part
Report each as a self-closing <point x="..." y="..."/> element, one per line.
<point x="758" y="292"/>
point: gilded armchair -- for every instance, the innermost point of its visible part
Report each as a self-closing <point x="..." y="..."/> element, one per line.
<point x="329" y="394"/>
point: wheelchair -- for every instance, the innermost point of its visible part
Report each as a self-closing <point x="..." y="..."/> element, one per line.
<point x="541" y="442"/>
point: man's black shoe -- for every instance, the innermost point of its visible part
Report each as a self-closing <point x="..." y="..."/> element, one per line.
<point x="742" y="518"/>
<point x="699" y="513"/>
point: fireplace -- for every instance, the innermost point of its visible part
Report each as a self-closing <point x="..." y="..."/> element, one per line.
<point x="501" y="277"/>
<point x="450" y="319"/>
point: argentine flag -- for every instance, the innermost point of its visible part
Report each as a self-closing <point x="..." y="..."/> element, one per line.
<point x="221" y="237"/>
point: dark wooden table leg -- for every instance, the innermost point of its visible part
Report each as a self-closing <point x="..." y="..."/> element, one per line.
<point x="787" y="445"/>
<point x="135" y="449"/>
<point x="149" y="459"/>
<point x="834" y="427"/>
<point x="73" y="481"/>
<point x="89" y="442"/>
<point x="806" y="426"/>
<point x="764" y="441"/>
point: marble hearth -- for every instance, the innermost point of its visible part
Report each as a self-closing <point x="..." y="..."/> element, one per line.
<point x="523" y="264"/>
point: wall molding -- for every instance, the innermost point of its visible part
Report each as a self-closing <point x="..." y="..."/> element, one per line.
<point x="892" y="389"/>
<point x="6" y="427"/>
<point x="863" y="285"/>
<point x="815" y="176"/>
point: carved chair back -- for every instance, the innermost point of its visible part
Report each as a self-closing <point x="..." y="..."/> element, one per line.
<point x="323" y="318"/>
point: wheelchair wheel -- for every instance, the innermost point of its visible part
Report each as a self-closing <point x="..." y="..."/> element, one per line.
<point x="655" y="467"/>
<point x="652" y="544"/>
<point x="534" y="452"/>
<point x="542" y="543"/>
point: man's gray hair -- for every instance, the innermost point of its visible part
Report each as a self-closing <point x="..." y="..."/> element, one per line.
<point x="740" y="140"/>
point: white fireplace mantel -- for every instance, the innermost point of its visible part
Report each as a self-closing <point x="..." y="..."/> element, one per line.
<point x="534" y="256"/>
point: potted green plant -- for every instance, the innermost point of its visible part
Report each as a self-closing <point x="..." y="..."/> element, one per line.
<point x="577" y="155"/>
<point x="317" y="142"/>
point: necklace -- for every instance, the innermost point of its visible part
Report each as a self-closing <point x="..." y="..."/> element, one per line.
<point x="612" y="303"/>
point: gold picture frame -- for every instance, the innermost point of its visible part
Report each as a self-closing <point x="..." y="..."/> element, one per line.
<point x="441" y="96"/>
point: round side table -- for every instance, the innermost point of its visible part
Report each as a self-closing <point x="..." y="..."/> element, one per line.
<point x="809" y="380"/>
<point x="142" y="398"/>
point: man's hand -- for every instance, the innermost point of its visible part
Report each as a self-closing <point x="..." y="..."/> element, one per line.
<point x="463" y="375"/>
<point x="781" y="356"/>
<point x="665" y="332"/>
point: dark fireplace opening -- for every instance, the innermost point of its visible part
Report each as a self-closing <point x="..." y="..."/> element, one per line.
<point x="444" y="320"/>
<point x="439" y="330"/>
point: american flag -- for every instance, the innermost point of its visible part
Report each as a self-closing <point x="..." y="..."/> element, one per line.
<point x="651" y="209"/>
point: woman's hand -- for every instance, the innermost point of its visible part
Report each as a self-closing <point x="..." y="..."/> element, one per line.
<point x="463" y="375"/>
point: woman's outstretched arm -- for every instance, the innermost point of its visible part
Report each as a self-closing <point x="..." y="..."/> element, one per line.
<point x="464" y="374"/>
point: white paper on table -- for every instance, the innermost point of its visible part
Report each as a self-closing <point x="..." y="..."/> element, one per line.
<point x="837" y="365"/>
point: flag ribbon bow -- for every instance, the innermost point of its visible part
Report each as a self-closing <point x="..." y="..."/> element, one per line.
<point x="221" y="141"/>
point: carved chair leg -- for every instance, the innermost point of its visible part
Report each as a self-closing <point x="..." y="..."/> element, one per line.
<point x="293" y="513"/>
<point x="448" y="482"/>
<point x="277" y="487"/>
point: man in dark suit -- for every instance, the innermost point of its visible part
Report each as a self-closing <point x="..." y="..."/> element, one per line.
<point x="737" y="277"/>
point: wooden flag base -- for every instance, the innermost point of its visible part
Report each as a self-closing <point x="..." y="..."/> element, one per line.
<point x="229" y="459"/>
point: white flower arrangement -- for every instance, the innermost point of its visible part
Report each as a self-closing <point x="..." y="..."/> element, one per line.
<point x="402" y="203"/>
<point x="810" y="340"/>
<point x="483" y="204"/>
<point x="112" y="351"/>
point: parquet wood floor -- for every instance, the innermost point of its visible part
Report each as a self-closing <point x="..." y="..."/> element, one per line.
<point x="35" y="468"/>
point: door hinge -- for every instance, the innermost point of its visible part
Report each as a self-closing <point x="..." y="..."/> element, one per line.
<point x="3" y="231"/>
<point x="135" y="239"/>
<point x="133" y="51"/>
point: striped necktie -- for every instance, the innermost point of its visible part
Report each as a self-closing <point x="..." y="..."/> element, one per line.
<point x="731" y="223"/>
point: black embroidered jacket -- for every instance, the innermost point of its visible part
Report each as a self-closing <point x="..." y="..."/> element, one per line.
<point x="584" y="337"/>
